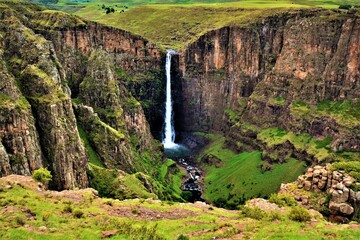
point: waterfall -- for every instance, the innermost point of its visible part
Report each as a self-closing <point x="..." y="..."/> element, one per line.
<point x="169" y="132"/>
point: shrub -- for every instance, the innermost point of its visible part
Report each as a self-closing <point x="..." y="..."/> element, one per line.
<point x="264" y="166"/>
<point x="68" y="209"/>
<point x="187" y="196"/>
<point x="20" y="220"/>
<point x="220" y="202"/>
<point x="299" y="214"/>
<point x="272" y="216"/>
<point x="282" y="200"/>
<point x="345" y="6"/>
<point x="42" y="175"/>
<point x="183" y="237"/>
<point x="254" y="213"/>
<point x="46" y="216"/>
<point x="135" y="211"/>
<point x="78" y="213"/>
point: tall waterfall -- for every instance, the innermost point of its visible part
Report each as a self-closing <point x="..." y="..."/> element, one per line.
<point x="169" y="131"/>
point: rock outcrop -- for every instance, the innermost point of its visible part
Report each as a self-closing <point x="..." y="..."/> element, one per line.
<point x="344" y="198"/>
<point x="20" y="151"/>
<point x="39" y="74"/>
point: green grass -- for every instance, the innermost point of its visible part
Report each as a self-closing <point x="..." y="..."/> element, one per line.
<point x="320" y="149"/>
<point x="171" y="176"/>
<point x="238" y="175"/>
<point x="345" y="113"/>
<point x="177" y="25"/>
<point x="93" y="156"/>
<point x="140" y="220"/>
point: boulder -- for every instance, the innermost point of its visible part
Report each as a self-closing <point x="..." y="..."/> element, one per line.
<point x="110" y="233"/>
<point x="340" y="186"/>
<point x="316" y="173"/>
<point x="334" y="207"/>
<point x="322" y="184"/>
<point x="346" y="209"/>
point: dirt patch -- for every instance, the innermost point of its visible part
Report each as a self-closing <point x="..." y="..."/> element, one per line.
<point x="75" y="195"/>
<point x="142" y="213"/>
<point x="24" y="181"/>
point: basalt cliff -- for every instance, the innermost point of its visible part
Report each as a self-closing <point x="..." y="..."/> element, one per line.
<point x="60" y="74"/>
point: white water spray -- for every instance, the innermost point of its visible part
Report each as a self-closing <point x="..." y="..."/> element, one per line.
<point x="169" y="138"/>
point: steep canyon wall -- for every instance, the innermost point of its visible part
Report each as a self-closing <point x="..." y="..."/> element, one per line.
<point x="307" y="56"/>
<point x="52" y="62"/>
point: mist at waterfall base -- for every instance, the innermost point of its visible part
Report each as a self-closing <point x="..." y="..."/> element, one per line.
<point x="172" y="149"/>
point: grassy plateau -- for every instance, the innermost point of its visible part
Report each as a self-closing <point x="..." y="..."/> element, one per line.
<point x="175" y="24"/>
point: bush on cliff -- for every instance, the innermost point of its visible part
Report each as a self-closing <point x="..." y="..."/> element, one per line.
<point x="282" y="200"/>
<point x="42" y="175"/>
<point x="299" y="214"/>
<point x="345" y="6"/>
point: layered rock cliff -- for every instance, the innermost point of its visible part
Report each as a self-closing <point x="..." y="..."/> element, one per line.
<point x="52" y="61"/>
<point x="297" y="71"/>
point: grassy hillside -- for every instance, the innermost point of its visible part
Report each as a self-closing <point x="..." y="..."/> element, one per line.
<point x="30" y="213"/>
<point x="174" y="24"/>
<point x="232" y="178"/>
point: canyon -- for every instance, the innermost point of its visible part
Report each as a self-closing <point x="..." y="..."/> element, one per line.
<point x="280" y="86"/>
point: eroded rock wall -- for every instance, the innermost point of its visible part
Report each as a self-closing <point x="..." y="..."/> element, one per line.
<point x="48" y="58"/>
<point x="307" y="56"/>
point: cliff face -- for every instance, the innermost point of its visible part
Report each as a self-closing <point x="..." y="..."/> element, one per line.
<point x="298" y="72"/>
<point x="38" y="73"/>
<point x="48" y="58"/>
<point x="306" y="57"/>
<point x="138" y="63"/>
<point x="19" y="149"/>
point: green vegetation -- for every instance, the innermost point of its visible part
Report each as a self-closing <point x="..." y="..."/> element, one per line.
<point x="7" y="102"/>
<point x="317" y="148"/>
<point x="42" y="175"/>
<point x="254" y="213"/>
<point x="172" y="175"/>
<point x="282" y="199"/>
<point x="299" y="214"/>
<point x="345" y="6"/>
<point x="233" y="178"/>
<point x="278" y="101"/>
<point x="30" y="214"/>
<point x="351" y="167"/>
<point x="179" y="23"/>
<point x="344" y="113"/>
<point x="56" y="19"/>
<point x="93" y="156"/>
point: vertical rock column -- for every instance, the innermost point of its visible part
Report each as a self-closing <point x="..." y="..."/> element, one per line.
<point x="41" y="79"/>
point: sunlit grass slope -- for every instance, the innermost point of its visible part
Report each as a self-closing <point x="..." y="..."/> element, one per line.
<point x="237" y="177"/>
<point x="28" y="213"/>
